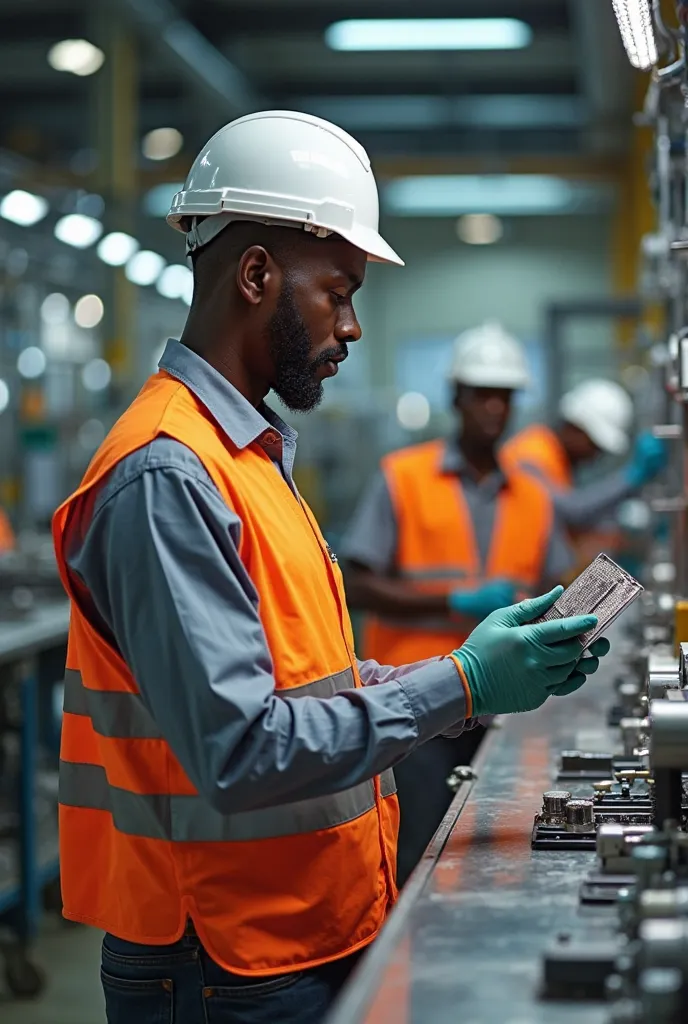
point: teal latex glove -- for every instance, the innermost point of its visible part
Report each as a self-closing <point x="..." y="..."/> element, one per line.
<point x="650" y="456"/>
<point x="478" y="603"/>
<point x="513" y="665"/>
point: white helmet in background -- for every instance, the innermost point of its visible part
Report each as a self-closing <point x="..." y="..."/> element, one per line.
<point x="488" y="357"/>
<point x="602" y="409"/>
<point x="282" y="168"/>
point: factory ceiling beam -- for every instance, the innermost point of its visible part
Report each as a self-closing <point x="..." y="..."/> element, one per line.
<point x="195" y="57"/>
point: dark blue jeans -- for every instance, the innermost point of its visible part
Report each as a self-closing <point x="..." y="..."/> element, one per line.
<point x="180" y="984"/>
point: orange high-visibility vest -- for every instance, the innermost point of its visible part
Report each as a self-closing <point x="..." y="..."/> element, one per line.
<point x="141" y="851"/>
<point x="540" y="447"/>
<point x="7" y="539"/>
<point x="437" y="550"/>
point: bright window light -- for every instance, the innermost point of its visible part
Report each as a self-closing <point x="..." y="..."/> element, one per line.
<point x="23" y="207"/>
<point x="55" y="309"/>
<point x="78" y="230"/>
<point x="162" y="143"/>
<point x="89" y="311"/>
<point x="31" y="362"/>
<point x="499" y="194"/>
<point x="174" y="281"/>
<point x="4" y="396"/>
<point x="413" y="411"/>
<point x="429" y="34"/>
<point x="96" y="375"/>
<point x="479" y="228"/>
<point x="635" y="24"/>
<point x="117" y="248"/>
<point x="77" y="56"/>
<point x="144" y="267"/>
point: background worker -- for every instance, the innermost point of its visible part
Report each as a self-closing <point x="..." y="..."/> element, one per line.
<point x="443" y="537"/>
<point x="227" y="811"/>
<point x="596" y="418"/>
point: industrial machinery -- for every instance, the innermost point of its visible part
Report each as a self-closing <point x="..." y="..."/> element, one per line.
<point x="571" y="903"/>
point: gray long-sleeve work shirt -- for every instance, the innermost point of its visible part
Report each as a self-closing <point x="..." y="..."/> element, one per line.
<point x="155" y="557"/>
<point x="589" y="504"/>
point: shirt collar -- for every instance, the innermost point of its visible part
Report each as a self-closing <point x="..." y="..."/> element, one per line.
<point x="242" y="422"/>
<point x="454" y="463"/>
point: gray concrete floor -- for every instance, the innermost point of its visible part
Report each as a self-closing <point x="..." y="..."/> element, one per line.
<point x="70" y="957"/>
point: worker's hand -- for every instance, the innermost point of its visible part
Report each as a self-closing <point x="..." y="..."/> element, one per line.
<point x="650" y="456"/>
<point x="479" y="602"/>
<point x="511" y="665"/>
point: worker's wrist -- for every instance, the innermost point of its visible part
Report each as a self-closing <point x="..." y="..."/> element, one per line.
<point x="459" y="601"/>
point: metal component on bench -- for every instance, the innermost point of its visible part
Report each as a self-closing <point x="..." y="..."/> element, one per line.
<point x="664" y="903"/>
<point x="668" y="757"/>
<point x="631" y="733"/>
<point x="615" y="844"/>
<point x="554" y="803"/>
<point x="580" y="816"/>
<point x="647" y="864"/>
<point x="663" y="943"/>
<point x="576" y="764"/>
<point x="629" y="697"/>
<point x="460" y="774"/>
<point x="602" y="788"/>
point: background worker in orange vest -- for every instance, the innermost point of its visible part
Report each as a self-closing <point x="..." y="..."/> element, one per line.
<point x="227" y="808"/>
<point x="595" y="419"/>
<point x="443" y="537"/>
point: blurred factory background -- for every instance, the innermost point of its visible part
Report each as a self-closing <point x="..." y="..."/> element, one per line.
<point x="513" y="184"/>
<point x="510" y="183"/>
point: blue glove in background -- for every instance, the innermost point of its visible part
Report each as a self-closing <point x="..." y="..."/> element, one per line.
<point x="512" y="664"/>
<point x="478" y="603"/>
<point x="650" y="456"/>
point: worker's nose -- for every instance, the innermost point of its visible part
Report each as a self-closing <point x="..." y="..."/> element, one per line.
<point x="348" y="328"/>
<point x="495" y="406"/>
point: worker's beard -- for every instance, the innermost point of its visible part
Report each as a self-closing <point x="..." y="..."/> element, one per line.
<point x="296" y="379"/>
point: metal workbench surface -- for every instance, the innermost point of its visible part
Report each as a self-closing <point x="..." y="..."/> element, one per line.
<point x="464" y="943"/>
<point x="43" y="627"/>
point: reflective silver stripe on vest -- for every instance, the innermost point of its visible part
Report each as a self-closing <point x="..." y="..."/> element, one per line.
<point x="177" y="818"/>
<point x="388" y="784"/>
<point x="184" y="819"/>
<point x="123" y="716"/>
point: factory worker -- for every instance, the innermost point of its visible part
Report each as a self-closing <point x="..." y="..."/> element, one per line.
<point x="227" y="807"/>
<point x="442" y="537"/>
<point x="595" y="419"/>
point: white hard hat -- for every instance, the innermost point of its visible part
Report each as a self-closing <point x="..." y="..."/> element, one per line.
<point x="284" y="168"/>
<point x="488" y="357"/>
<point x="603" y="410"/>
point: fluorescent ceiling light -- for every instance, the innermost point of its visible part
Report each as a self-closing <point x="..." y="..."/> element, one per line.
<point x="174" y="281"/>
<point x="162" y="143"/>
<point x="499" y="194"/>
<point x="637" y="32"/>
<point x="77" y="56"/>
<point x="479" y="228"/>
<point x="23" y="208"/>
<point x="116" y="248"/>
<point x="55" y="308"/>
<point x="429" y="34"/>
<point x="144" y="268"/>
<point x="89" y="311"/>
<point x="78" y="230"/>
<point x="4" y="396"/>
<point x="158" y="200"/>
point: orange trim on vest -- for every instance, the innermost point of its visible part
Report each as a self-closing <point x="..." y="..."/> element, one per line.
<point x="437" y="550"/>
<point x="540" y="447"/>
<point x="269" y="891"/>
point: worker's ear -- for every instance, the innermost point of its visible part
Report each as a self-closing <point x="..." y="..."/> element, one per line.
<point x="258" y="277"/>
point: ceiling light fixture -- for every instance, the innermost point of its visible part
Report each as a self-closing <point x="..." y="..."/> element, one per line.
<point x="4" y="396"/>
<point x="89" y="311"/>
<point x="144" y="268"/>
<point x="23" y="208"/>
<point x="428" y="34"/>
<point x="78" y="230"/>
<point x="55" y="309"/>
<point x="31" y="362"/>
<point x="637" y="32"/>
<point x="162" y="143"/>
<point x="77" y="56"/>
<point x="96" y="375"/>
<point x="479" y="228"/>
<point x="117" y="248"/>
<point x="174" y="281"/>
<point x="449" y="195"/>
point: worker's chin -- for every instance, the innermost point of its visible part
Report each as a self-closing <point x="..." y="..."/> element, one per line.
<point x="302" y="394"/>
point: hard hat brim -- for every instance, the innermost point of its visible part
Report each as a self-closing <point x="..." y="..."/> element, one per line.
<point x="373" y="244"/>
